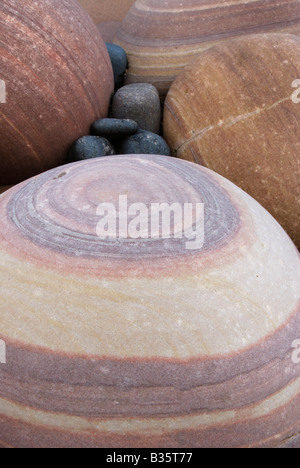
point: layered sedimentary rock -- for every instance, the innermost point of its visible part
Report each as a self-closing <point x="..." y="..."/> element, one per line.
<point x="145" y="341"/>
<point x="161" y="37"/>
<point x="58" y="78"/>
<point x="236" y="110"/>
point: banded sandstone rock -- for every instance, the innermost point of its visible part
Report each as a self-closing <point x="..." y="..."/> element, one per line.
<point x="232" y="110"/>
<point x="161" y="37"/>
<point x="134" y="342"/>
<point x="58" y="79"/>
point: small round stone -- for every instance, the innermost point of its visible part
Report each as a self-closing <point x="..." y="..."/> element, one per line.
<point x="119" y="63"/>
<point x="89" y="147"/>
<point x="144" y="142"/>
<point x="114" y="128"/>
<point x="139" y="102"/>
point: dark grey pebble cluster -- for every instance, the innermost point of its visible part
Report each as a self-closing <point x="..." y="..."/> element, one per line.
<point x="134" y="122"/>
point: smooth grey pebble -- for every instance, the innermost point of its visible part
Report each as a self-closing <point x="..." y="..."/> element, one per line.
<point x="144" y="142"/>
<point x="114" y="128"/>
<point x="88" y="147"/>
<point x="139" y="102"/>
<point x="119" y="63"/>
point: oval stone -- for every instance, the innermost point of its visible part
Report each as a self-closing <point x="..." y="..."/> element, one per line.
<point x="113" y="128"/>
<point x="244" y="122"/>
<point x="89" y="147"/>
<point x="58" y="79"/>
<point x="139" y="102"/>
<point x="145" y="337"/>
<point x="161" y="36"/>
<point x="144" y="142"/>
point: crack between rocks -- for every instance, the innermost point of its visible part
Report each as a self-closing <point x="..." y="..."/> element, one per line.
<point x="229" y="122"/>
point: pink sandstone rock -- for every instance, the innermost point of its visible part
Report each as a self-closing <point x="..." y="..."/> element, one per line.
<point x="141" y="342"/>
<point x="161" y="36"/>
<point x="58" y="79"/>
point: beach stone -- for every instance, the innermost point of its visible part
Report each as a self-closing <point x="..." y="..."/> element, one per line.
<point x="161" y="36"/>
<point x="144" y="142"/>
<point x="58" y="78"/>
<point x="88" y="147"/>
<point x="114" y="128"/>
<point x="232" y="110"/>
<point x="119" y="63"/>
<point x="139" y="102"/>
<point x="145" y="341"/>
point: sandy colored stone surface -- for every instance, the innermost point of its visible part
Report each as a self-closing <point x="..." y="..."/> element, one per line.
<point x="231" y="110"/>
<point x="58" y="79"/>
<point x="162" y="36"/>
<point x="106" y="10"/>
<point x="141" y="342"/>
<point x="108" y="30"/>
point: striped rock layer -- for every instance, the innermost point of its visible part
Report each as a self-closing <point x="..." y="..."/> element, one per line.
<point x="236" y="110"/>
<point x="58" y="78"/>
<point x="141" y="342"/>
<point x="162" y="36"/>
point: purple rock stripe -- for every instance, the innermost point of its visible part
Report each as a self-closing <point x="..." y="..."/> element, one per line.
<point x="154" y="386"/>
<point x="42" y="220"/>
<point x="280" y="428"/>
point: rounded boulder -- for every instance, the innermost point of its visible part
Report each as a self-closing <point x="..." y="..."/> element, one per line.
<point x="235" y="109"/>
<point x="58" y="79"/>
<point x="161" y="36"/>
<point x="124" y="331"/>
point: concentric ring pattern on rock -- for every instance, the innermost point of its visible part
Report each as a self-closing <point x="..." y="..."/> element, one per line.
<point x="140" y="342"/>
<point x="162" y="36"/>
<point x="235" y="110"/>
<point x="58" y="78"/>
